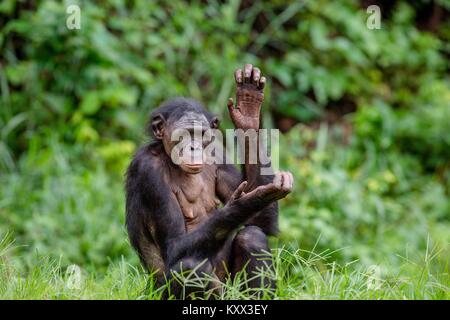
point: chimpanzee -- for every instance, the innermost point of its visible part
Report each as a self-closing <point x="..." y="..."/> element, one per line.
<point x="173" y="212"/>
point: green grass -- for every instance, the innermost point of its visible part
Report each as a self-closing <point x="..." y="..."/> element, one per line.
<point x="299" y="275"/>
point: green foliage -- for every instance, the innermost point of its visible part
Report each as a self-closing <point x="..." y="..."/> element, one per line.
<point x="58" y="208"/>
<point x="359" y="201"/>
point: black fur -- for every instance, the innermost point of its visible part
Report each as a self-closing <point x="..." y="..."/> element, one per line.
<point x="156" y="226"/>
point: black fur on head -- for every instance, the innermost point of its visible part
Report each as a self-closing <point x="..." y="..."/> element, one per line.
<point x="174" y="109"/>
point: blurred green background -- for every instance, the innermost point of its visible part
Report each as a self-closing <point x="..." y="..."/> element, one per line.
<point x="365" y="116"/>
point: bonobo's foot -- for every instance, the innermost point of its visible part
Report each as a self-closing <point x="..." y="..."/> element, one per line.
<point x="249" y="97"/>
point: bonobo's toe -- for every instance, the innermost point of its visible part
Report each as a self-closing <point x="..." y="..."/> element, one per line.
<point x="238" y="76"/>
<point x="262" y="83"/>
<point x="248" y="73"/>
<point x="256" y="76"/>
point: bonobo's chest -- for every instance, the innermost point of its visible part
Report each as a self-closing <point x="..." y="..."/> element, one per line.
<point x="196" y="195"/>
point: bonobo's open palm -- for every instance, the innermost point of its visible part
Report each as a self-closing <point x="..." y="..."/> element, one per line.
<point x="249" y="97"/>
<point x="174" y="218"/>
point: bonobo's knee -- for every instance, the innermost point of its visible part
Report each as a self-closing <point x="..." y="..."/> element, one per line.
<point x="187" y="278"/>
<point x="187" y="265"/>
<point x="251" y="239"/>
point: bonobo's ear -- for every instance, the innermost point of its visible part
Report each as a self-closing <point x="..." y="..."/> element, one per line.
<point x="158" y="123"/>
<point x="215" y="123"/>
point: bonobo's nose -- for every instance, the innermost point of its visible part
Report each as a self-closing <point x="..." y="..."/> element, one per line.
<point x="196" y="146"/>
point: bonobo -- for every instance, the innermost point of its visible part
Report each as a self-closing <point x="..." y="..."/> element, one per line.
<point x="174" y="216"/>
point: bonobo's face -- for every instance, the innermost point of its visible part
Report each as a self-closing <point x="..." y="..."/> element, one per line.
<point x="183" y="140"/>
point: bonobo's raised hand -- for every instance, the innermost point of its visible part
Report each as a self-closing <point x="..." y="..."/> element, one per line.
<point x="249" y="97"/>
<point x="263" y="195"/>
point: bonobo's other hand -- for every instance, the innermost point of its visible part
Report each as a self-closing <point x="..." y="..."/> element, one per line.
<point x="263" y="195"/>
<point x="249" y="97"/>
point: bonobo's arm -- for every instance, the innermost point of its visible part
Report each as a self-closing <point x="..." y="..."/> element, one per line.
<point x="147" y="190"/>
<point x="246" y="116"/>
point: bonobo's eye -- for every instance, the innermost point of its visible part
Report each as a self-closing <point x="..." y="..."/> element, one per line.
<point x="215" y="123"/>
<point x="158" y="122"/>
<point x="196" y="130"/>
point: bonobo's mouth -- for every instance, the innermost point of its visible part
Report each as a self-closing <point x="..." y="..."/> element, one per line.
<point x="193" y="168"/>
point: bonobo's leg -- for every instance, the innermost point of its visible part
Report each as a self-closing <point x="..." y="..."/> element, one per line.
<point x="222" y="260"/>
<point x="250" y="252"/>
<point x="188" y="278"/>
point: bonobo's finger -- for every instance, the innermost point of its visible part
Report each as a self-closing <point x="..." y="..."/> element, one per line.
<point x="262" y="83"/>
<point x="291" y="181"/>
<point x="274" y="193"/>
<point x="262" y="190"/>
<point x="277" y="180"/>
<point x="238" y="76"/>
<point x="247" y="73"/>
<point x="283" y="181"/>
<point x="286" y="186"/>
<point x="237" y="193"/>
<point x="256" y="76"/>
<point x="267" y="189"/>
<point x="286" y="181"/>
<point x="230" y="104"/>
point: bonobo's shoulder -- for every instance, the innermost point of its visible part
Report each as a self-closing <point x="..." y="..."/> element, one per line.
<point x="146" y="159"/>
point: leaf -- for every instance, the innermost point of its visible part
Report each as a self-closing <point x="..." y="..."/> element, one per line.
<point x="119" y="95"/>
<point x="91" y="103"/>
<point x="18" y="73"/>
<point x="282" y="73"/>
